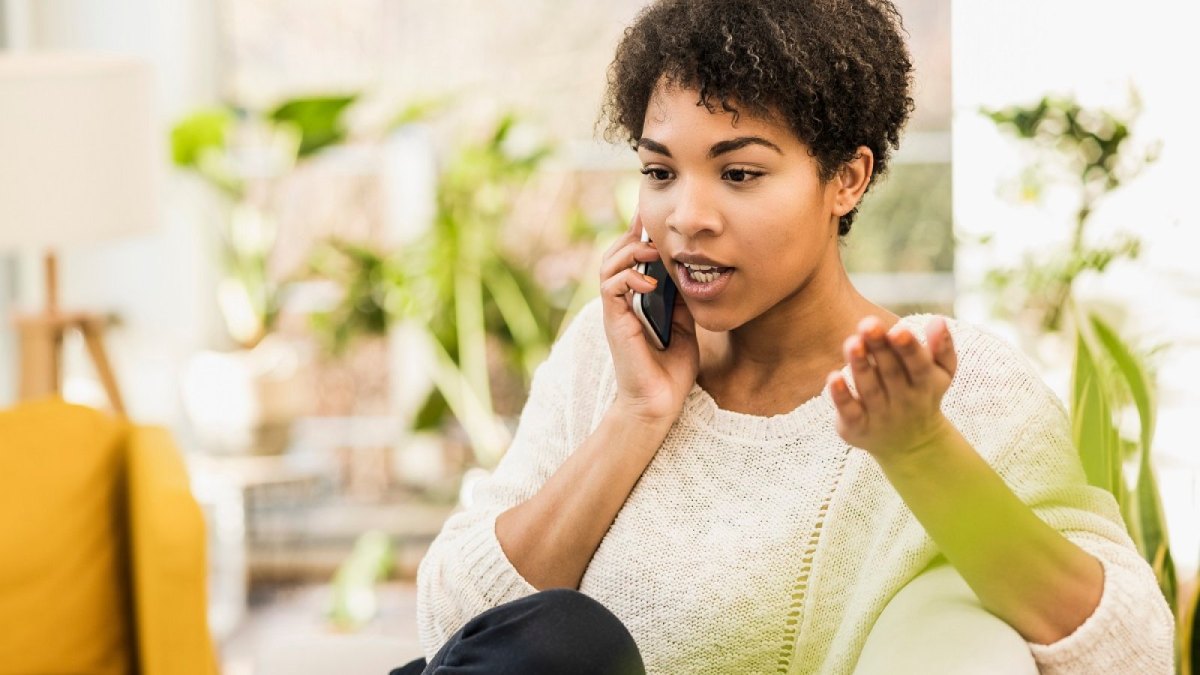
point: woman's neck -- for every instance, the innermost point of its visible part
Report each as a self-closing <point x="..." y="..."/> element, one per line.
<point x="780" y="359"/>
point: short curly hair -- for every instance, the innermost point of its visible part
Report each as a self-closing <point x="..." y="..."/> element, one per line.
<point x="837" y="71"/>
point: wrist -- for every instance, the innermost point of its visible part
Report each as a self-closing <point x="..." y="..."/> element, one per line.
<point x="625" y="413"/>
<point x="925" y="452"/>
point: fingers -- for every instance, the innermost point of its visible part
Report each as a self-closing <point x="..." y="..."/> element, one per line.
<point x="866" y="378"/>
<point x="850" y="410"/>
<point x="941" y="345"/>
<point x="626" y="256"/>
<point x="916" y="360"/>
<point x="887" y="361"/>
<point x="898" y="382"/>
<point x="616" y="287"/>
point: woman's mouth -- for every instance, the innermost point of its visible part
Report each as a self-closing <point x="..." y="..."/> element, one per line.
<point x="702" y="282"/>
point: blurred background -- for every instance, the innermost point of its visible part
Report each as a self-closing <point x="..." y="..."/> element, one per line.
<point x="365" y="222"/>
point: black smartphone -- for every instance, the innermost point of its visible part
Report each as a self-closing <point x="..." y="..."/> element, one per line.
<point x="656" y="308"/>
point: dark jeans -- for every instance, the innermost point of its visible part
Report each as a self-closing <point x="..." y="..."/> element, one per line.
<point x="555" y="631"/>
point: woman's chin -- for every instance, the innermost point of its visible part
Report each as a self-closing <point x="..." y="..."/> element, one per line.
<point x="714" y="320"/>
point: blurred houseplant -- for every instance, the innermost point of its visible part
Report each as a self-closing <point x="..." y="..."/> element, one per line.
<point x="1110" y="380"/>
<point x="1107" y="378"/>
<point x="1088" y="149"/>
<point x="485" y="320"/>
<point x="243" y="154"/>
<point x="246" y="399"/>
<point x="353" y="597"/>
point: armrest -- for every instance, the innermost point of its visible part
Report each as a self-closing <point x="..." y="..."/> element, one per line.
<point x="935" y="624"/>
<point x="170" y="567"/>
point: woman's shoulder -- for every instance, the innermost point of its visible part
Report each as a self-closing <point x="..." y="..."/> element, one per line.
<point x="582" y="335"/>
<point x="994" y="381"/>
<point x="981" y="352"/>
<point x="579" y="357"/>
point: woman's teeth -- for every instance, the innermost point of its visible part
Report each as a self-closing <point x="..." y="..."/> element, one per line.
<point x="703" y="273"/>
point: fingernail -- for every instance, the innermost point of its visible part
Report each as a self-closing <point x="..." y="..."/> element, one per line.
<point x="650" y="279"/>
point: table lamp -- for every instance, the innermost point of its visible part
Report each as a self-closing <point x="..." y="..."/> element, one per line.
<point x="78" y="165"/>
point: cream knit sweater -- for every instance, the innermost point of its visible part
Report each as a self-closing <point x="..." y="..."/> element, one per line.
<point x="767" y="544"/>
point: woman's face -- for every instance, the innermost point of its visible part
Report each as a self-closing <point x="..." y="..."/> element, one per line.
<point x="747" y="199"/>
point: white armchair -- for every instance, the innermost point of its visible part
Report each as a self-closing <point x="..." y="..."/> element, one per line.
<point x="935" y="624"/>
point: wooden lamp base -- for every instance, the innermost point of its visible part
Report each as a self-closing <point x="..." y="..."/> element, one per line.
<point x="41" y="339"/>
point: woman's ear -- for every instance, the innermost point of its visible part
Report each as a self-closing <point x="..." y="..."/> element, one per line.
<point x="852" y="181"/>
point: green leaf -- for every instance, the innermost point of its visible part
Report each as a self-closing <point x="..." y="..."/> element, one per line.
<point x="198" y="132"/>
<point x="502" y="130"/>
<point x="360" y="271"/>
<point x="416" y="111"/>
<point x="1144" y="512"/>
<point x="517" y="314"/>
<point x="433" y="412"/>
<point x="318" y="119"/>
<point x="1134" y="375"/>
<point x="1091" y="421"/>
<point x="1151" y="523"/>
<point x="476" y="416"/>
<point x="353" y="599"/>
<point x="1189" y="637"/>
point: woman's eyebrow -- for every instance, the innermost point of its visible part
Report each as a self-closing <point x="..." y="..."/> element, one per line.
<point x="716" y="150"/>
<point x="653" y="146"/>
<point x="740" y="142"/>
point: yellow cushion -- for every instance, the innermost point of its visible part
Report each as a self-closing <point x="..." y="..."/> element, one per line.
<point x="64" y="595"/>
<point x="102" y="562"/>
<point x="169" y="561"/>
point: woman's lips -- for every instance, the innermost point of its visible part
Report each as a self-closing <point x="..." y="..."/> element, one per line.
<point x="698" y="290"/>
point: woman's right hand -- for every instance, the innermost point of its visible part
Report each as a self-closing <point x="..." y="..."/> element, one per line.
<point x="651" y="384"/>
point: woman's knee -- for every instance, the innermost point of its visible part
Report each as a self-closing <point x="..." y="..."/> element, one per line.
<point x="575" y="630"/>
<point x="571" y="606"/>
<point x="559" y="630"/>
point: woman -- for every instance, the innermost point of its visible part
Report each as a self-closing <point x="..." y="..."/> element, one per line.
<point x="749" y="499"/>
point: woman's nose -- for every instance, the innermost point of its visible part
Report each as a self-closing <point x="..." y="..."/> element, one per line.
<point x="693" y="211"/>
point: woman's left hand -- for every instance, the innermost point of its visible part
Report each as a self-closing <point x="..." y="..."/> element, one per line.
<point x="899" y="383"/>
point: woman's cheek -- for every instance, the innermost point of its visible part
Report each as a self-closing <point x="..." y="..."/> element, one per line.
<point x="653" y="210"/>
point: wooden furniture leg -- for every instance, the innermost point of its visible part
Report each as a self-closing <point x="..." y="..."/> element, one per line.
<point x="41" y="338"/>
<point x="93" y="336"/>
<point x="40" y="345"/>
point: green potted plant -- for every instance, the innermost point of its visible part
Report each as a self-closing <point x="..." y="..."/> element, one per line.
<point x="243" y="155"/>
<point x="245" y="399"/>
<point x="1088" y="149"/>
<point x="481" y="315"/>
<point x="1109" y="378"/>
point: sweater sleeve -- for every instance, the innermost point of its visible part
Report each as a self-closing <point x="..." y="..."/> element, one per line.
<point x="465" y="572"/>
<point x="1132" y="629"/>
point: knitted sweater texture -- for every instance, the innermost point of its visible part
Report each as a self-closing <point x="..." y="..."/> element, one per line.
<point x="767" y="544"/>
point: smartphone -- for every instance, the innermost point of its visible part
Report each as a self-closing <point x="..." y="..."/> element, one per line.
<point x="655" y="309"/>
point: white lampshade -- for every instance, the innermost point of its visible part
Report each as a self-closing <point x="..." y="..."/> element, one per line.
<point x="79" y="149"/>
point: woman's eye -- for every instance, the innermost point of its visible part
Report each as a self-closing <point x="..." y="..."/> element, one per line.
<point x="656" y="173"/>
<point x="741" y="175"/>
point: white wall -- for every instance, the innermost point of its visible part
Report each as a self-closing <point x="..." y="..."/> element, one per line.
<point x="1014" y="52"/>
<point x="8" y="358"/>
<point x="159" y="284"/>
